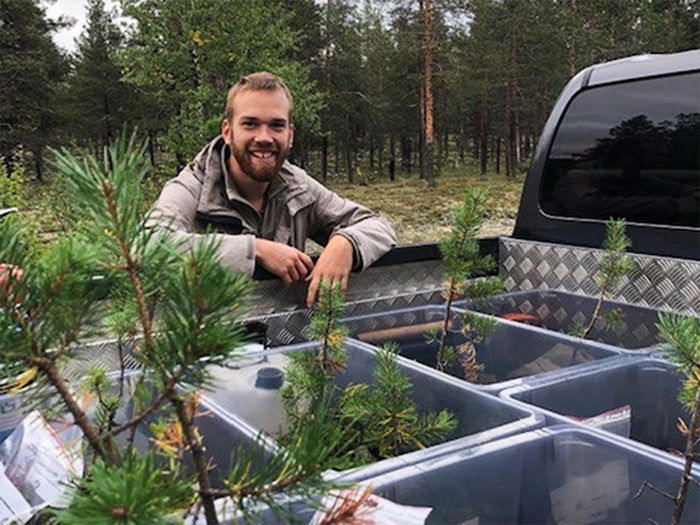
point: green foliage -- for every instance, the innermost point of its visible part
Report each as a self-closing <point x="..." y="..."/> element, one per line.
<point x="460" y="251"/>
<point x="32" y="67"/>
<point x="388" y="417"/>
<point x="682" y="335"/>
<point x="461" y="262"/>
<point x="135" y="493"/>
<point x="49" y="310"/>
<point x="95" y="102"/>
<point x="185" y="60"/>
<point x="296" y="469"/>
<point x="613" y="267"/>
<point x="615" y="263"/>
<point x="11" y="180"/>
<point x="682" y="338"/>
<point x="382" y="419"/>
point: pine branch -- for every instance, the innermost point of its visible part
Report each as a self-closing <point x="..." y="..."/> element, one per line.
<point x="461" y="261"/>
<point x="185" y="412"/>
<point x="614" y="265"/>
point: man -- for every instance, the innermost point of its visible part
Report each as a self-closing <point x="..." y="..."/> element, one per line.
<point x="262" y="207"/>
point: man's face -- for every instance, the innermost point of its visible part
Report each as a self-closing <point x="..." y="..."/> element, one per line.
<point x="259" y="134"/>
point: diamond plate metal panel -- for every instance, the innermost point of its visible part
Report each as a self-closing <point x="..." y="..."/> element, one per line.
<point x="272" y="297"/>
<point x="293" y="327"/>
<point x="664" y="283"/>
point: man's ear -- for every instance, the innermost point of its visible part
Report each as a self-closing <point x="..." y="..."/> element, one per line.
<point x="291" y="136"/>
<point x="226" y="131"/>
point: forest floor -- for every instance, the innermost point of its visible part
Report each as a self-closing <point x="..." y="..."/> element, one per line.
<point x="422" y="214"/>
<point x="417" y="212"/>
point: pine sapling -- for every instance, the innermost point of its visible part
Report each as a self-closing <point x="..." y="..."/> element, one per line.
<point x="381" y="420"/>
<point x="683" y="337"/>
<point x="309" y="374"/>
<point x="614" y="265"/>
<point x="49" y="309"/>
<point x="462" y="261"/>
<point x="389" y="418"/>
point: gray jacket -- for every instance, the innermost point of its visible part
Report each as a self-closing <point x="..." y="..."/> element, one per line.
<point x="296" y="207"/>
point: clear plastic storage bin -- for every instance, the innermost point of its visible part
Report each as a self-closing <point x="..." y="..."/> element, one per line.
<point x="508" y="352"/>
<point x="561" y="311"/>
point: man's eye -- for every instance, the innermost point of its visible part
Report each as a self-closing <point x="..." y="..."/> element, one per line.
<point x="248" y="125"/>
<point x="278" y="126"/>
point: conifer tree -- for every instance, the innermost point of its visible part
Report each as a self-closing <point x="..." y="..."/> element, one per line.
<point x="614" y="265"/>
<point x="50" y="307"/>
<point x="381" y="420"/>
<point x="682" y="337"/>
<point x="462" y="261"/>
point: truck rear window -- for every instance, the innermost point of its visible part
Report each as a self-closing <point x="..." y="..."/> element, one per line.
<point x="629" y="150"/>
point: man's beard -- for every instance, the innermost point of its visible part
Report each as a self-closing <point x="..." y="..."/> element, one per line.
<point x="261" y="172"/>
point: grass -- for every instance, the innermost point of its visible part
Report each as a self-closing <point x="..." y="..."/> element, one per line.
<point x="422" y="214"/>
<point x="418" y="213"/>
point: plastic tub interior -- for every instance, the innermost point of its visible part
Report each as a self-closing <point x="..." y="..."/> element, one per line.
<point x="561" y="311"/>
<point x="480" y="417"/>
<point x="649" y="386"/>
<point x="509" y="351"/>
<point x="559" y="475"/>
<point x="223" y="435"/>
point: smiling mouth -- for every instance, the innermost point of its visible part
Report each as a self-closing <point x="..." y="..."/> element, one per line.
<point x="262" y="154"/>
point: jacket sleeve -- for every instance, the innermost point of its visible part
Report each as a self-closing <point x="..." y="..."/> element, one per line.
<point x="370" y="234"/>
<point x="174" y="214"/>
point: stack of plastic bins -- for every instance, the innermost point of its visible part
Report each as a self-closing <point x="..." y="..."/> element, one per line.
<point x="481" y="417"/>
<point x="562" y="311"/>
<point x="509" y="352"/>
<point x="554" y="475"/>
<point x="649" y="386"/>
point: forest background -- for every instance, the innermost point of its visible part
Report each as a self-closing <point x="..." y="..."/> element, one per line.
<point x="456" y="92"/>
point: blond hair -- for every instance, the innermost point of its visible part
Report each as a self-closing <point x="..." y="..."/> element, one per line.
<point x="260" y="81"/>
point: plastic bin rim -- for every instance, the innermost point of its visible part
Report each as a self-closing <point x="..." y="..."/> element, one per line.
<point x="613" y="363"/>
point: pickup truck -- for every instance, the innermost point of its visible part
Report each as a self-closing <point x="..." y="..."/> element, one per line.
<point x="558" y="429"/>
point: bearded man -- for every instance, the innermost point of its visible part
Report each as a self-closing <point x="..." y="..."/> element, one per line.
<point x="262" y="208"/>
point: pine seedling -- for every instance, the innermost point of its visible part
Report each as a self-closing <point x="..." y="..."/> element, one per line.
<point x="137" y="492"/>
<point x="462" y="261"/>
<point x="296" y="469"/>
<point x="682" y="334"/>
<point x="387" y="415"/>
<point x="310" y="373"/>
<point x="49" y="310"/>
<point x="614" y="265"/>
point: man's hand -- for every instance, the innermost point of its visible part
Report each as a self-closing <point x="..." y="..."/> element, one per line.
<point x="333" y="266"/>
<point x="287" y="263"/>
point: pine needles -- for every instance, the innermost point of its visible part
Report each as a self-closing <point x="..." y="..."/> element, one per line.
<point x="51" y="307"/>
<point x="614" y="265"/>
<point x="382" y="419"/>
<point x="461" y="262"/>
<point x="682" y="335"/>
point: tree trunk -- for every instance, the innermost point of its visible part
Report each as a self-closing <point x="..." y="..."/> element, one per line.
<point x="348" y="162"/>
<point x="371" y="154"/>
<point x="336" y="151"/>
<point x="39" y="163"/>
<point x="571" y="41"/>
<point x="324" y="159"/>
<point x="427" y="91"/>
<point x="483" y="138"/>
<point x="406" y="154"/>
<point x="498" y="155"/>
<point x="511" y="90"/>
<point x="152" y="147"/>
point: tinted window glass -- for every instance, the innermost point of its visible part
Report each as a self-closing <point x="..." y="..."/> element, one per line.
<point x="630" y="151"/>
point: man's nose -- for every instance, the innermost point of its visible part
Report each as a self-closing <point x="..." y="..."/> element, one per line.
<point x="263" y="135"/>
